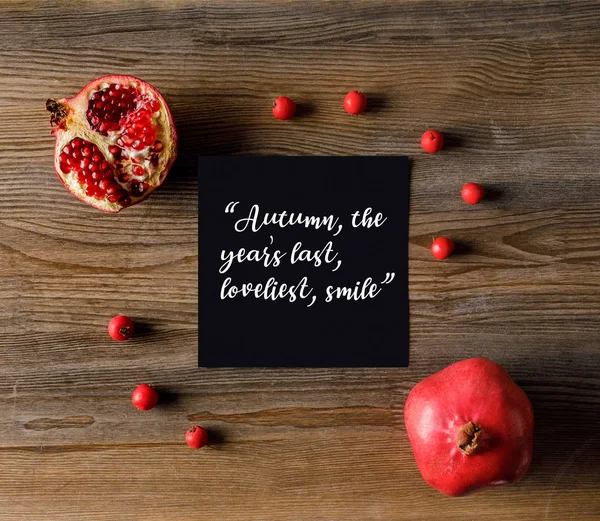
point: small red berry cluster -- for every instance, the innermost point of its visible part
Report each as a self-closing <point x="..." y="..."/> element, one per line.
<point x="145" y="397"/>
<point x="355" y="102"/>
<point x="472" y="193"/>
<point x="432" y="141"/>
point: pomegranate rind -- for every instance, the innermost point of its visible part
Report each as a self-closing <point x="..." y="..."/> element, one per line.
<point x="75" y="124"/>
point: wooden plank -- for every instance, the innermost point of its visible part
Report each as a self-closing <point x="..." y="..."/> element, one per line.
<point x="269" y="22"/>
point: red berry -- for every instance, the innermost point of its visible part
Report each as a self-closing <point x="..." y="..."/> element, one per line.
<point x="432" y="141"/>
<point x="283" y="108"/>
<point x="355" y="102"/>
<point x="144" y="397"/>
<point x="120" y="328"/>
<point x="196" y="437"/>
<point x="472" y="193"/>
<point x="442" y="247"/>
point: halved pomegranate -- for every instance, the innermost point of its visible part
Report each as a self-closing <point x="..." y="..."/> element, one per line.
<point x="115" y="141"/>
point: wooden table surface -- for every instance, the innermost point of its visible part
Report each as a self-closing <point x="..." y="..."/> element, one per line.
<point x="514" y="85"/>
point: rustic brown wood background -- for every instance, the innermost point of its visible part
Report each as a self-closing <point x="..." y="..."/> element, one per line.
<point x="515" y="85"/>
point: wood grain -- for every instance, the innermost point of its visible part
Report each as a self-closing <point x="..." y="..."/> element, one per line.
<point x="515" y="87"/>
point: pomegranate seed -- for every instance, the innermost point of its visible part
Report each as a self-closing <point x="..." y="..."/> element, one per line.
<point x="104" y="165"/>
<point x="137" y="144"/>
<point x="155" y="105"/>
<point x="94" y="167"/>
<point x="148" y="140"/>
<point x="85" y="162"/>
<point x="138" y="170"/>
<point x="98" y="105"/>
<point x="65" y="168"/>
<point x="139" y="188"/>
<point x="106" y="183"/>
<point x="125" y="201"/>
<point x="114" y="150"/>
<point x="158" y="146"/>
<point x="86" y="151"/>
<point x="127" y="140"/>
<point x="154" y="160"/>
<point x="96" y="158"/>
<point x="62" y="157"/>
<point x="95" y="120"/>
<point x="113" y="198"/>
<point x="81" y="178"/>
<point x="76" y="143"/>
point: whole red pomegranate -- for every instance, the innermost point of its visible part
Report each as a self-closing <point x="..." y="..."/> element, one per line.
<point x="115" y="141"/>
<point x="470" y="426"/>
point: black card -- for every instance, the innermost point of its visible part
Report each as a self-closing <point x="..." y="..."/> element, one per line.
<point x="303" y="261"/>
